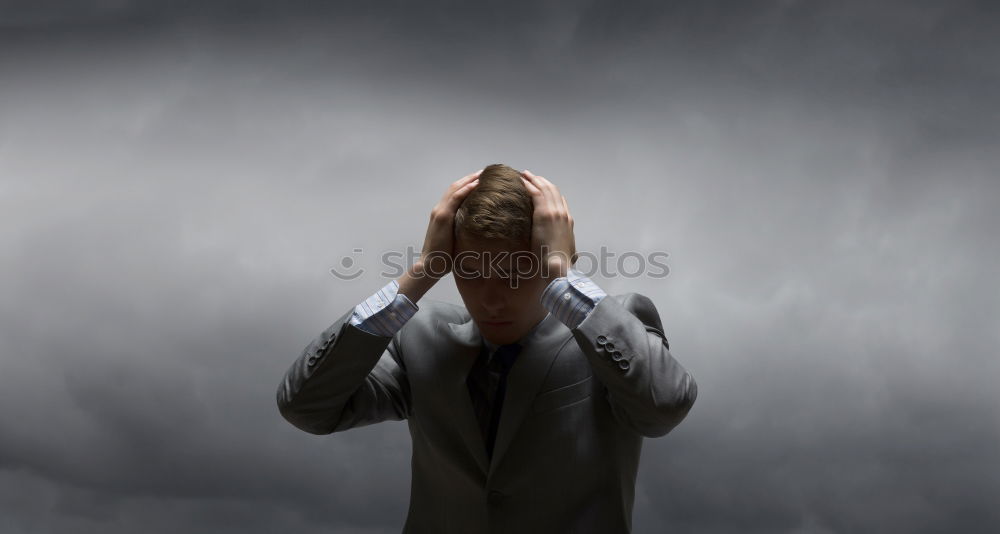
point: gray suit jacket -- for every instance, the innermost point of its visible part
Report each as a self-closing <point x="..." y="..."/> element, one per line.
<point x="578" y="405"/>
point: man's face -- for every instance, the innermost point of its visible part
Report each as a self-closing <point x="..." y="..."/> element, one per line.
<point x="504" y="306"/>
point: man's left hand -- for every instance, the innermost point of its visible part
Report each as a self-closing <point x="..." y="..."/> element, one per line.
<point x="551" y="227"/>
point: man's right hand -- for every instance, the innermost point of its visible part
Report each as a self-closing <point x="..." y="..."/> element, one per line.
<point x="438" y="250"/>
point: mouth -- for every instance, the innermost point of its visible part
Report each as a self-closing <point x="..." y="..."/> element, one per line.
<point x="498" y="323"/>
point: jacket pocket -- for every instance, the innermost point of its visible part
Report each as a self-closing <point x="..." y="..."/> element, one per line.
<point x="563" y="396"/>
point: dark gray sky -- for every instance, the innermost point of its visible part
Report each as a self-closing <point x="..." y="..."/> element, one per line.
<point x="176" y="179"/>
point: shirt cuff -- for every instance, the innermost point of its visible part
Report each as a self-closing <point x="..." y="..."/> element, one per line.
<point x="571" y="298"/>
<point x="385" y="312"/>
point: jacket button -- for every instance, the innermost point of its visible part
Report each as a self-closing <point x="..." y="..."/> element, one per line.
<point x="495" y="497"/>
<point x="311" y="361"/>
<point x="601" y="340"/>
<point x="609" y="346"/>
<point x="616" y="355"/>
<point x="623" y="364"/>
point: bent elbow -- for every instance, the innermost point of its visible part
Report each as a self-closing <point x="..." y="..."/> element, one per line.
<point x="675" y="409"/>
<point x="303" y="422"/>
<point x="299" y="417"/>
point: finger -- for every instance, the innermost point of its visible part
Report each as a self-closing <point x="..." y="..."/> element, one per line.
<point x="533" y="178"/>
<point x="464" y="191"/>
<point x="545" y="188"/>
<point x="532" y="188"/>
<point x="459" y="184"/>
<point x="554" y="194"/>
<point x="540" y="181"/>
<point x="456" y="198"/>
<point x="566" y="207"/>
<point x="541" y="201"/>
<point x="548" y="190"/>
<point x="463" y="181"/>
<point x="551" y="192"/>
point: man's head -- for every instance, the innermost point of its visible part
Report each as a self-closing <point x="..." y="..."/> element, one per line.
<point x="492" y="245"/>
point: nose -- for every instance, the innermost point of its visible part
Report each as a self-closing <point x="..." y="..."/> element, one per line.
<point x="494" y="297"/>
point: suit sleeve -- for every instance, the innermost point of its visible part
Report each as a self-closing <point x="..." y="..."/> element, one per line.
<point x="648" y="389"/>
<point x="345" y="377"/>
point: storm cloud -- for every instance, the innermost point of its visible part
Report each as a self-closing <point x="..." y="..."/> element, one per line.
<point x="177" y="179"/>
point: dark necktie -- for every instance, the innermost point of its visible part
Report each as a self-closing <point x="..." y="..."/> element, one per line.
<point x="503" y="360"/>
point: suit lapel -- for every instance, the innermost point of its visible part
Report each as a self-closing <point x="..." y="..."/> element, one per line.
<point x="523" y="382"/>
<point x="525" y="378"/>
<point x="468" y="344"/>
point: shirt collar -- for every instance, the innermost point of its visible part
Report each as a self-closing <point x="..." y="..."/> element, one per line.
<point x="491" y="347"/>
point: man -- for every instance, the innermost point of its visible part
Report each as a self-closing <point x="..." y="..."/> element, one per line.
<point x="528" y="406"/>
